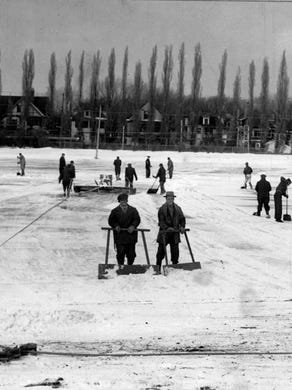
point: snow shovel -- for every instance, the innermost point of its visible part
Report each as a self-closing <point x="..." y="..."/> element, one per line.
<point x="287" y="217"/>
<point x="184" y="266"/>
<point x="153" y="190"/>
<point x="124" y="269"/>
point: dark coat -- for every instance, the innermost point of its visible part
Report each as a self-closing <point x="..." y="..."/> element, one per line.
<point x="263" y="188"/>
<point x="247" y="170"/>
<point x="62" y="164"/>
<point x="281" y="189"/>
<point x="170" y="165"/>
<point x="69" y="172"/>
<point x="165" y="220"/>
<point x="117" y="163"/>
<point x="147" y="163"/>
<point x="130" y="173"/>
<point x="124" y="220"/>
<point x="161" y="174"/>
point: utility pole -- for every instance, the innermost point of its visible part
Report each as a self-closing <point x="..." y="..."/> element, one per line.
<point x="97" y="132"/>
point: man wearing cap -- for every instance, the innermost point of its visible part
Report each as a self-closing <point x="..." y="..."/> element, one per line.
<point x="263" y="188"/>
<point x="62" y="164"/>
<point x="281" y="190"/>
<point x="124" y="219"/>
<point x="161" y="173"/>
<point x="148" y="167"/>
<point x="130" y="174"/>
<point x="172" y="222"/>
<point x="170" y="167"/>
<point x="117" y="164"/>
<point x="247" y="171"/>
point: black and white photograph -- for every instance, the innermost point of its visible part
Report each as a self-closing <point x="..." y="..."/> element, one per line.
<point x="145" y="194"/>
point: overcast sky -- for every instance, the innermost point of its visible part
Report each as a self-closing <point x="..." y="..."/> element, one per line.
<point x="247" y="30"/>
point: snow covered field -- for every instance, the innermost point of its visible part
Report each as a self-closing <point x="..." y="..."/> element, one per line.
<point x="239" y="302"/>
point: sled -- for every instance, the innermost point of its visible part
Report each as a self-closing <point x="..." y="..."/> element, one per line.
<point x="191" y="266"/>
<point x="152" y="190"/>
<point x="103" y="189"/>
<point x="287" y="217"/>
<point x="106" y="269"/>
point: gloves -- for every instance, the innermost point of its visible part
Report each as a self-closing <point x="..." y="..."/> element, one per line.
<point x="131" y="229"/>
<point x="117" y="229"/>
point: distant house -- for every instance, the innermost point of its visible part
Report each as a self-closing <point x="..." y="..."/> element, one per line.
<point x="85" y="125"/>
<point x="12" y="112"/>
<point x="138" y="134"/>
<point x="206" y="129"/>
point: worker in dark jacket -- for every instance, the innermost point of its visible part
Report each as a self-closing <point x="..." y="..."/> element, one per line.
<point x="161" y="174"/>
<point x="62" y="164"/>
<point x="125" y="219"/>
<point x="68" y="177"/>
<point x="148" y="167"/>
<point x="247" y="171"/>
<point x="170" y="167"/>
<point x="263" y="188"/>
<point x="117" y="164"/>
<point x="172" y="222"/>
<point x="281" y="190"/>
<point x="130" y="174"/>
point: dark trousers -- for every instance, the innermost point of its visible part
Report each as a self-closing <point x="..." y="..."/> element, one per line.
<point x="129" y="182"/>
<point x="67" y="183"/>
<point x="278" y="206"/>
<point x="263" y="201"/>
<point x="127" y="250"/>
<point x="174" y="251"/>
<point x="162" y="189"/>
<point x="148" y="172"/>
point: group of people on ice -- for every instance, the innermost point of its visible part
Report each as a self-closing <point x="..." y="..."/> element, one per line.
<point x="130" y="172"/>
<point x="263" y="188"/>
<point x="125" y="219"/>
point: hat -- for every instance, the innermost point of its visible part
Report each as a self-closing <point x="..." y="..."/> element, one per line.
<point x="169" y="193"/>
<point x="122" y="196"/>
<point x="288" y="181"/>
<point x="148" y="156"/>
<point x="263" y="175"/>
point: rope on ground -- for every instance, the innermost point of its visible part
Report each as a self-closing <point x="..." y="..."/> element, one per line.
<point x="36" y="219"/>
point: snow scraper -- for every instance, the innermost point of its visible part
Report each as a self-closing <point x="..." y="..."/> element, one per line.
<point x="287" y="217"/>
<point x="153" y="190"/>
<point x="184" y="266"/>
<point x="105" y="270"/>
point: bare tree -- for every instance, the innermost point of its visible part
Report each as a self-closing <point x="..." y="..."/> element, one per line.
<point x="251" y="86"/>
<point x="0" y="77"/>
<point x="221" y="94"/>
<point x="68" y="95"/>
<point x="110" y="91"/>
<point x="282" y="102"/>
<point x="27" y="80"/>
<point x="264" y="99"/>
<point x="52" y="83"/>
<point x="196" y="86"/>
<point x="123" y="107"/>
<point x="180" y="87"/>
<point x="94" y="90"/>
<point x="166" y="80"/>
<point x="81" y="78"/>
<point x="237" y="92"/>
<point x="137" y="99"/>
<point x="152" y="89"/>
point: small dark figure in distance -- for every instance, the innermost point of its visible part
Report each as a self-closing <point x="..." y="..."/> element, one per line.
<point x="161" y="174"/>
<point x="263" y="188"/>
<point x="247" y="171"/>
<point x="62" y="164"/>
<point x="170" y="167"/>
<point x="125" y="219"/>
<point x="281" y="190"/>
<point x="118" y="164"/>
<point x="148" y="167"/>
<point x="172" y="222"/>
<point x="130" y="174"/>
<point x="68" y="177"/>
<point x="21" y="161"/>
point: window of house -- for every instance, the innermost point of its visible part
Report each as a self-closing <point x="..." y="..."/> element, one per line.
<point x="18" y="108"/>
<point x="87" y="113"/>
<point x="145" y="115"/>
<point x="256" y="133"/>
<point x="206" y="121"/>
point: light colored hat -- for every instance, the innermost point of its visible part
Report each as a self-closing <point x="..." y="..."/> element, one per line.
<point x="169" y="193"/>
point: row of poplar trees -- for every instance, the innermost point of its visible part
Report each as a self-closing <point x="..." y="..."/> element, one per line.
<point x="121" y="98"/>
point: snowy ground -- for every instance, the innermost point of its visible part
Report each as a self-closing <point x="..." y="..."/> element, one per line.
<point x="239" y="302"/>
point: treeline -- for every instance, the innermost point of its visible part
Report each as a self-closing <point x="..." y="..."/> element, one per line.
<point x="121" y="97"/>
